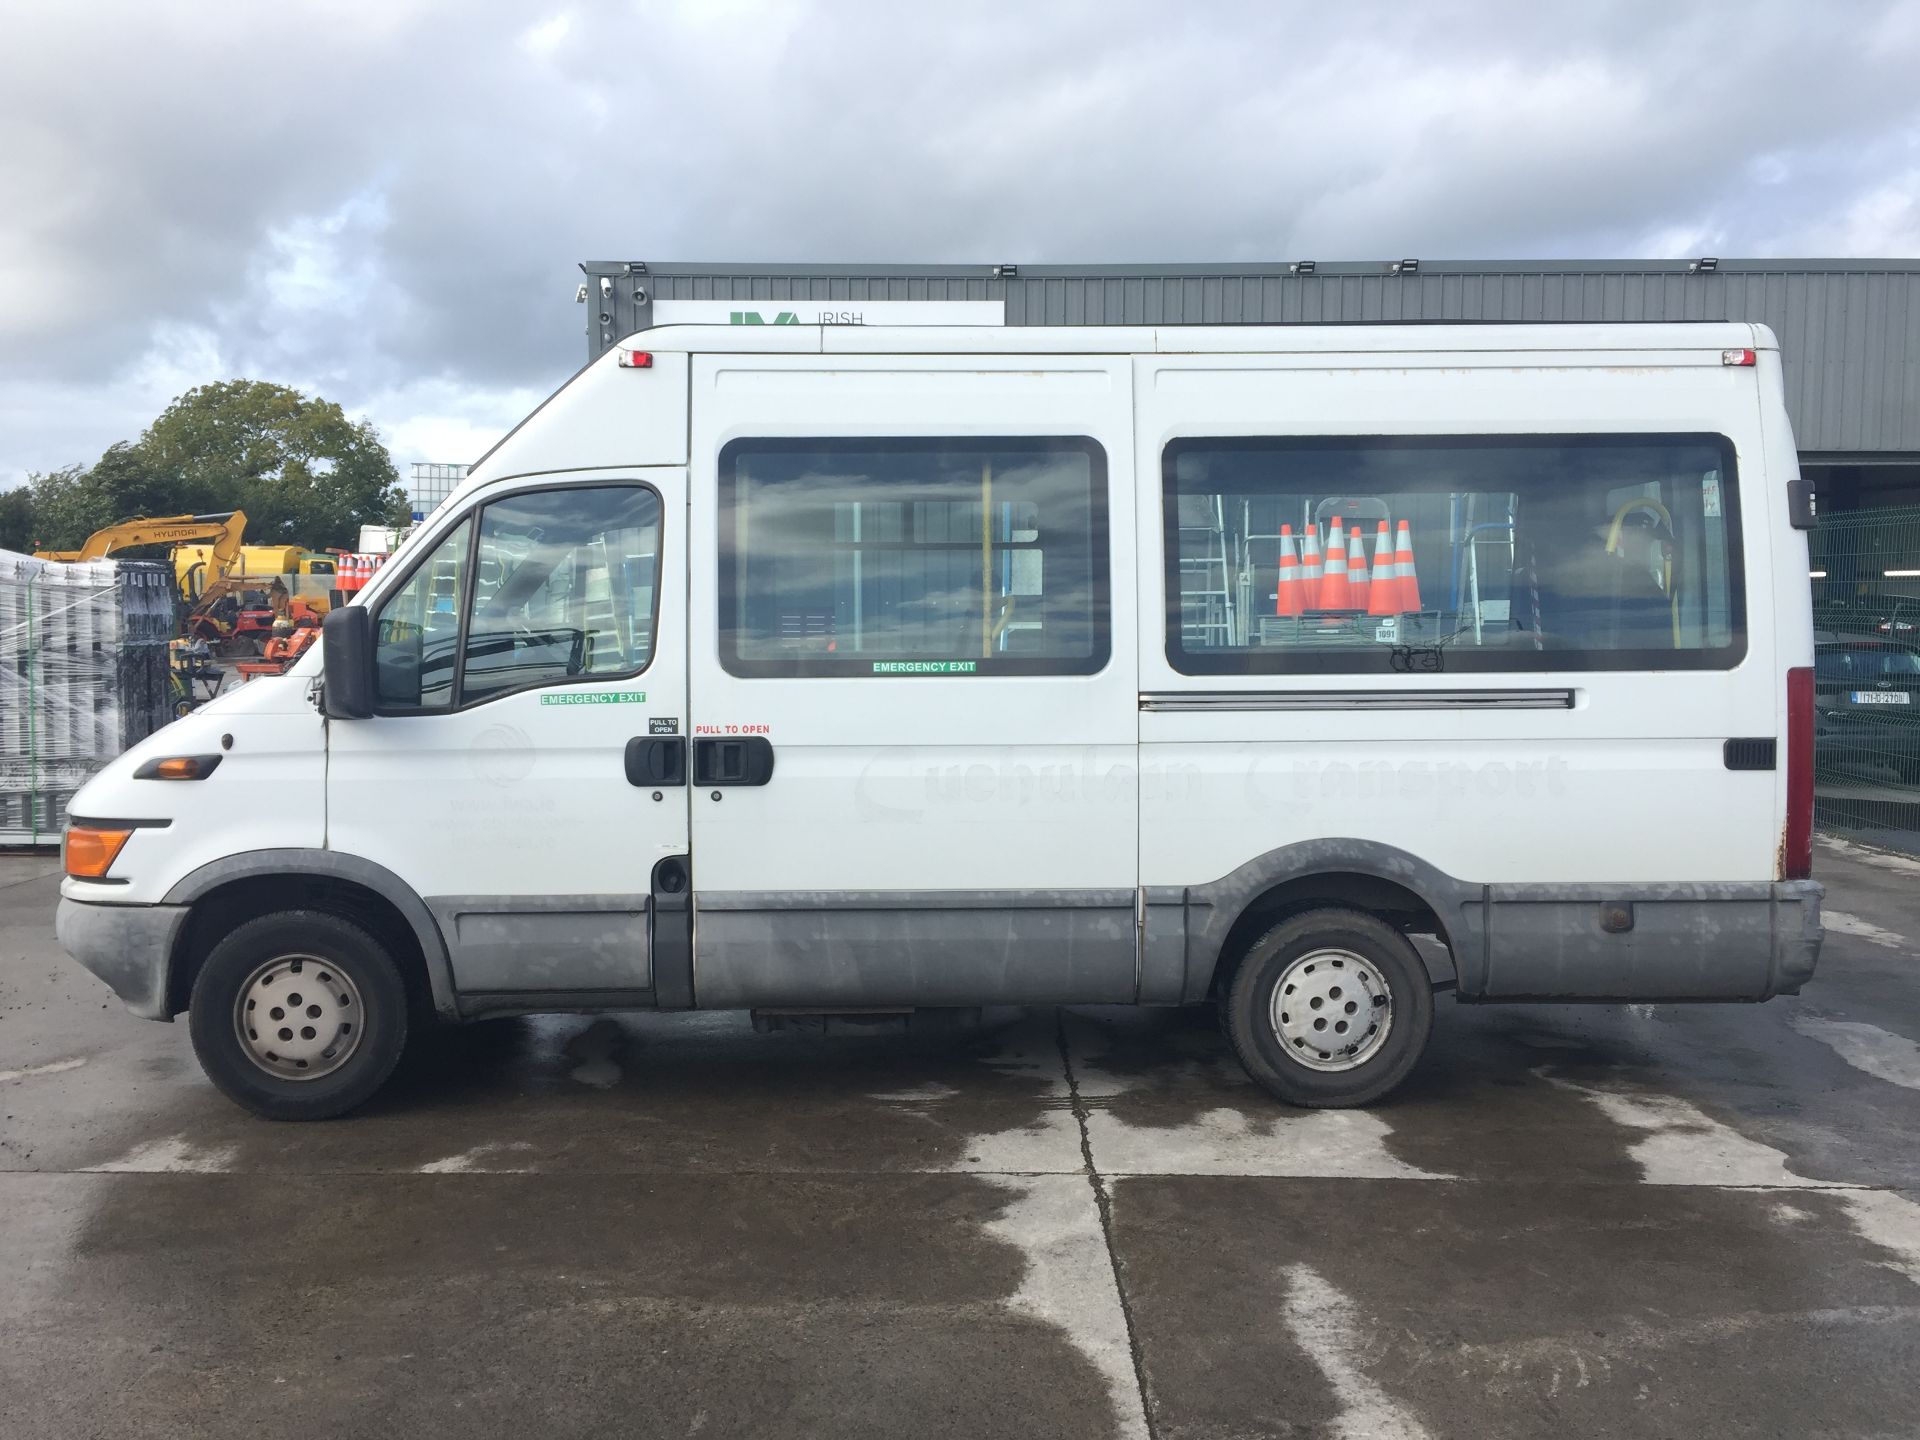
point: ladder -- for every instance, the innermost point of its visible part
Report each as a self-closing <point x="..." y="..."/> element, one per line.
<point x="1207" y="606"/>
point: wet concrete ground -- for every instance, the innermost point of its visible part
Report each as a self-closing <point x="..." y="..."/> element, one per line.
<point x="1630" y="1221"/>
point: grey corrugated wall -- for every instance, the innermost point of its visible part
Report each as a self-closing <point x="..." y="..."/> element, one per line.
<point x="1850" y="330"/>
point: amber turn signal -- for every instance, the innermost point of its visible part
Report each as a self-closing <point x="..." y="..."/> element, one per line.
<point x="178" y="767"/>
<point x="90" y="852"/>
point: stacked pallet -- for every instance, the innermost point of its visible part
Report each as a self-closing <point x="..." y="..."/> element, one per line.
<point x="83" y="675"/>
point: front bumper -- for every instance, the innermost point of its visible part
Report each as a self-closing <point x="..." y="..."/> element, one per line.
<point x="128" y="946"/>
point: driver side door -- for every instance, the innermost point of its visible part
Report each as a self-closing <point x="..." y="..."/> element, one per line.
<point x="534" y="641"/>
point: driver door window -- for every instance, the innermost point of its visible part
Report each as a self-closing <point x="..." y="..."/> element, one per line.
<point x="562" y="588"/>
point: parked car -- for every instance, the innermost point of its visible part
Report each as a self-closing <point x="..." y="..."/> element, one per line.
<point x="1866" y="700"/>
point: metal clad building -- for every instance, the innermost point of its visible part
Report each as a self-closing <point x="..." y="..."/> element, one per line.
<point x="1849" y="329"/>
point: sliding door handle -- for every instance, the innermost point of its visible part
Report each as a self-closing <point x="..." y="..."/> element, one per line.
<point x="746" y="761"/>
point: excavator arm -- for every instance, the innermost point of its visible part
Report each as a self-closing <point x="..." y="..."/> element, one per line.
<point x="226" y="530"/>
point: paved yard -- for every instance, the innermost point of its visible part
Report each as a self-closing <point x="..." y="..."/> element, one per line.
<point x="1630" y="1221"/>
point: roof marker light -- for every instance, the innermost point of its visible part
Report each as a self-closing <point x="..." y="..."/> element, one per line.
<point x="1738" y="357"/>
<point x="636" y="360"/>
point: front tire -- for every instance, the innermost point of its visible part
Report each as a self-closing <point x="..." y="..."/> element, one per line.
<point x="298" y="1015"/>
<point x="1330" y="1008"/>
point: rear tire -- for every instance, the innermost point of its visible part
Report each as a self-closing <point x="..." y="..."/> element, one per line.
<point x="1329" y="1008"/>
<point x="298" y="1015"/>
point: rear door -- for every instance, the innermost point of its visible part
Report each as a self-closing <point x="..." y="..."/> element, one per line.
<point x="525" y="773"/>
<point x="913" y="702"/>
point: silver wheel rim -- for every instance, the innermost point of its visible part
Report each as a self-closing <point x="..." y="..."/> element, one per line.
<point x="1332" y="1010"/>
<point x="298" y="1017"/>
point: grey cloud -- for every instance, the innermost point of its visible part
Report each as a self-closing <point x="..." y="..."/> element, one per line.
<point x="374" y="197"/>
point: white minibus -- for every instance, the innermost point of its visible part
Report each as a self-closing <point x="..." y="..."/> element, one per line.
<point x="1307" y="672"/>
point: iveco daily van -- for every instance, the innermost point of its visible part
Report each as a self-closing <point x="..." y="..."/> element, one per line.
<point x="862" y="669"/>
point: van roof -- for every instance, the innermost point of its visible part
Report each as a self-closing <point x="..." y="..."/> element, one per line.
<point x="1635" y="344"/>
<point x="1352" y="338"/>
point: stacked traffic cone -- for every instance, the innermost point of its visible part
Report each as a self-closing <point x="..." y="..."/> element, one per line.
<point x="1359" y="582"/>
<point x="1287" y="599"/>
<point x="1383" y="596"/>
<point x="1332" y="591"/>
<point x="1409" y="602"/>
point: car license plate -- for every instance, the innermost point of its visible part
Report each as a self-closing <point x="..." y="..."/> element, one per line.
<point x="1882" y="697"/>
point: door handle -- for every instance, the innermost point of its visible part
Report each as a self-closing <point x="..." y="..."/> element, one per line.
<point x="746" y="761"/>
<point x="657" y="760"/>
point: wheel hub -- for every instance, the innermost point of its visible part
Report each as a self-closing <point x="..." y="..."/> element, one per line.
<point x="299" y="1017"/>
<point x="1332" y="1010"/>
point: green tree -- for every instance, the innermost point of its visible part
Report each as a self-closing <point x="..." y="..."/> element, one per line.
<point x="304" y="473"/>
<point x="16" y="518"/>
<point x="62" y="509"/>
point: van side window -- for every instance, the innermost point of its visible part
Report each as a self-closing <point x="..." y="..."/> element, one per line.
<point x="563" y="587"/>
<point x="1402" y="554"/>
<point x="417" y="632"/>
<point x="913" y="557"/>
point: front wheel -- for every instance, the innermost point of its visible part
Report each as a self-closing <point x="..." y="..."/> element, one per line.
<point x="299" y="1015"/>
<point x="1330" y="1008"/>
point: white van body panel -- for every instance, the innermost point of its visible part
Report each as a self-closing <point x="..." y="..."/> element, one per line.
<point x="272" y="791"/>
<point x="992" y="786"/>
<point x="938" y="840"/>
<point x="900" y="775"/>
<point x="1483" y="794"/>
<point x="513" y="818"/>
<point x="605" y="417"/>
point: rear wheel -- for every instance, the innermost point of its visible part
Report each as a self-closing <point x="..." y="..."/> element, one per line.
<point x="299" y="1015"/>
<point x="1329" y="1008"/>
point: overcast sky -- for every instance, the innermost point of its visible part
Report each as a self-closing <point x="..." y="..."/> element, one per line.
<point x="384" y="200"/>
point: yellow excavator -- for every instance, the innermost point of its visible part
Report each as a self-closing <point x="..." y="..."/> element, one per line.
<point x="225" y="530"/>
<point x="218" y="576"/>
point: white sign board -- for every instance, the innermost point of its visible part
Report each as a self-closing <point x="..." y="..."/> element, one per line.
<point x="829" y="312"/>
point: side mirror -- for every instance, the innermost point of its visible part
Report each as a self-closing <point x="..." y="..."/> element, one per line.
<point x="347" y="656"/>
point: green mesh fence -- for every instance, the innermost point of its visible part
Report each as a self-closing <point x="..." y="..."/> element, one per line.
<point x="1866" y="618"/>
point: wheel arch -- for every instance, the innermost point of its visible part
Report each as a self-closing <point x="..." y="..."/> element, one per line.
<point x="236" y="888"/>
<point x="1226" y="915"/>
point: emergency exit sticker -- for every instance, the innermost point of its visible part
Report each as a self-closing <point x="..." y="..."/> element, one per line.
<point x="925" y="667"/>
<point x="594" y="697"/>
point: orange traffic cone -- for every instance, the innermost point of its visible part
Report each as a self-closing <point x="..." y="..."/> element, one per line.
<point x="1333" y="582"/>
<point x="1310" y="568"/>
<point x="1287" y="599"/>
<point x="1383" y="597"/>
<point x="1359" y="583"/>
<point x="1403" y="563"/>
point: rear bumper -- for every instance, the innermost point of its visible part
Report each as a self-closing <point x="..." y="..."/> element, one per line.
<point x="1796" y="933"/>
<point x="128" y="946"/>
<point x="1648" y="942"/>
